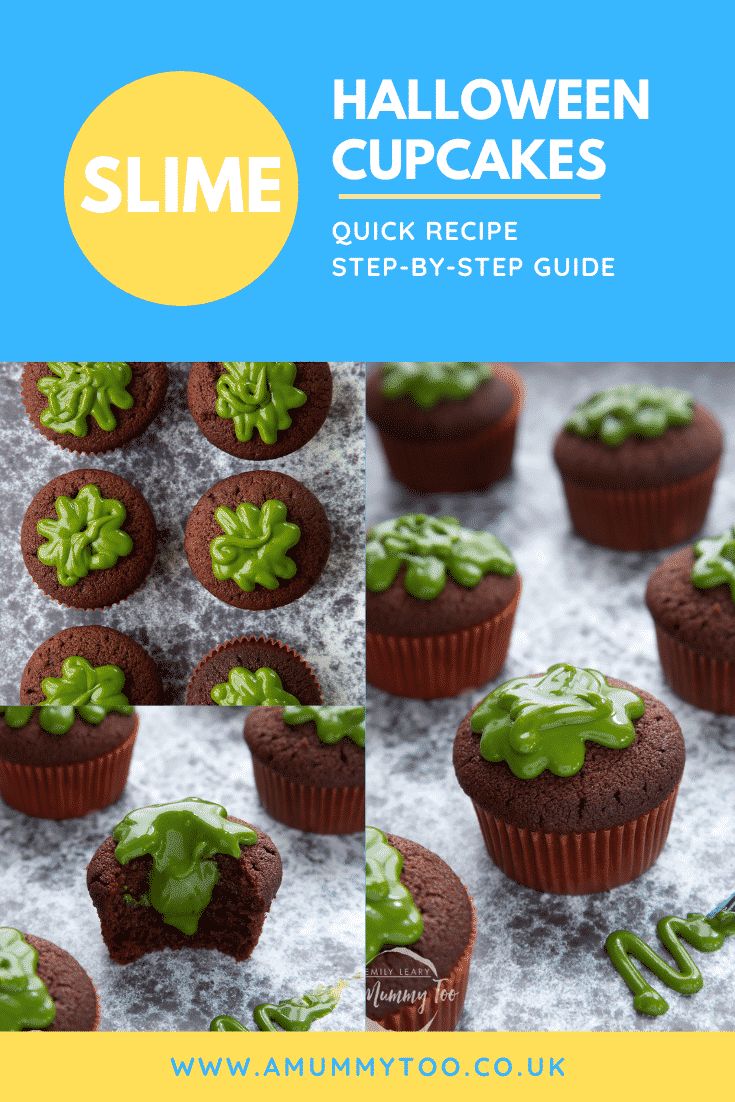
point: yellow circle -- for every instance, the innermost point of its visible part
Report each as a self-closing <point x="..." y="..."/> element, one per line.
<point x="184" y="143"/>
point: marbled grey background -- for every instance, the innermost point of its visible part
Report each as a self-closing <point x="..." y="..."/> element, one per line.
<point x="540" y="962"/>
<point x="173" y="616"/>
<point x="313" y="934"/>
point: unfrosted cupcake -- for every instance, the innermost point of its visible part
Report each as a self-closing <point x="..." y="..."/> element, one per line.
<point x="43" y="988"/>
<point x="441" y="600"/>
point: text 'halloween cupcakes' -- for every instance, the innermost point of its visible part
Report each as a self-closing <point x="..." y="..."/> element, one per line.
<point x="441" y="600"/>
<point x="253" y="670"/>
<point x="43" y="988"/>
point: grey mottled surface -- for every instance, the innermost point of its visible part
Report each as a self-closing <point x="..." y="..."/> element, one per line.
<point x="173" y="616"/>
<point x="539" y="962"/>
<point x="315" y="930"/>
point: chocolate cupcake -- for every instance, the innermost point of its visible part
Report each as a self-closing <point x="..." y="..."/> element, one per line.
<point x="183" y="875"/>
<point x="90" y="664"/>
<point x="421" y="928"/>
<point x="441" y="600"/>
<point x="445" y="427"/>
<point x="309" y="766"/>
<point x="691" y="596"/>
<point x="64" y="761"/>
<point x="253" y="670"/>
<point x="88" y="539"/>
<point x="258" y="540"/>
<point x="638" y="465"/>
<point x="573" y="777"/>
<point x="43" y="988"/>
<point x="257" y="409"/>
<point x="93" y="407"/>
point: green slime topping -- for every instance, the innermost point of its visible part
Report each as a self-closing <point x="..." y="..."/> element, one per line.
<point x="82" y="390"/>
<point x="86" y="536"/>
<point x="391" y="916"/>
<point x="181" y="838"/>
<point x="24" y="1000"/>
<point x="429" y="546"/>
<point x="714" y="562"/>
<point x="258" y="395"/>
<point x="332" y="723"/>
<point x="245" y="687"/>
<point x="647" y="411"/>
<point x="92" y="690"/>
<point x="704" y="934"/>
<point x="537" y="723"/>
<point x="253" y="551"/>
<point x="57" y="720"/>
<point x="428" y="383"/>
<point x="295" y="1015"/>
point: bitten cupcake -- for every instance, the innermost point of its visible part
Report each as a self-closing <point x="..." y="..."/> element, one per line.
<point x="309" y="766"/>
<point x="573" y="777"/>
<point x="253" y="671"/>
<point x="445" y="427"/>
<point x="258" y="409"/>
<point x="65" y="760"/>
<point x="42" y="987"/>
<point x="183" y="875"/>
<point x="258" y="540"/>
<point x="420" y="927"/>
<point x="88" y="539"/>
<point x="638" y="465"/>
<point x="441" y="600"/>
<point x="93" y="407"/>
<point x="691" y="596"/>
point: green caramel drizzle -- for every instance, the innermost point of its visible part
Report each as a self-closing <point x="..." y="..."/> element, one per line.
<point x="391" y="916"/>
<point x="703" y="933"/>
<point x="245" y="687"/>
<point x="258" y="395"/>
<point x="86" y="536"/>
<point x="646" y="411"/>
<point x="714" y="562"/>
<point x="253" y="550"/>
<point x="181" y="838"/>
<point x="92" y="690"/>
<point x="429" y="547"/>
<point x="81" y="390"/>
<point x="24" y="999"/>
<point x="427" y="384"/>
<point x="296" y="1015"/>
<point x="332" y="723"/>
<point x="537" y="723"/>
<point x="55" y="720"/>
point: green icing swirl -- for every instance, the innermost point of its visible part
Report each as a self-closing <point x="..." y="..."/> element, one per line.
<point x="428" y="383"/>
<point x="714" y="562"/>
<point x="92" y="690"/>
<point x="24" y="999"/>
<point x="332" y="723"/>
<point x="391" y="916"/>
<point x="81" y="390"/>
<point x="245" y="687"/>
<point x="646" y="411"/>
<point x="296" y="1015"/>
<point x="258" y="395"/>
<point x="429" y="546"/>
<point x="253" y="550"/>
<point x="181" y="837"/>
<point x="537" y="723"/>
<point x="705" y="934"/>
<point x="86" y="536"/>
<point x="55" y="720"/>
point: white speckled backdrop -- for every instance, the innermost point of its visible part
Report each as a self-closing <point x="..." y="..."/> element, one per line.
<point x="540" y="962"/>
<point x="173" y="616"/>
<point x="315" y="930"/>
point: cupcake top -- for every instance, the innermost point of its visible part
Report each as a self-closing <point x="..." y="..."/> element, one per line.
<point x="247" y="687"/>
<point x="63" y="734"/>
<point x="690" y="596"/>
<point x="427" y="384"/>
<point x="633" y="410"/>
<point x="24" y="999"/>
<point x="391" y="916"/>
<point x="313" y="746"/>
<point x="253" y="670"/>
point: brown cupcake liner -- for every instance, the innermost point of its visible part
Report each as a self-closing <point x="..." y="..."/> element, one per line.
<point x="707" y="683"/>
<point x="461" y="464"/>
<point x="641" y="520"/>
<point x="68" y="791"/>
<point x="578" y="863"/>
<point x="427" y="667"/>
<point x="255" y="639"/>
<point x="313" y="808"/>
